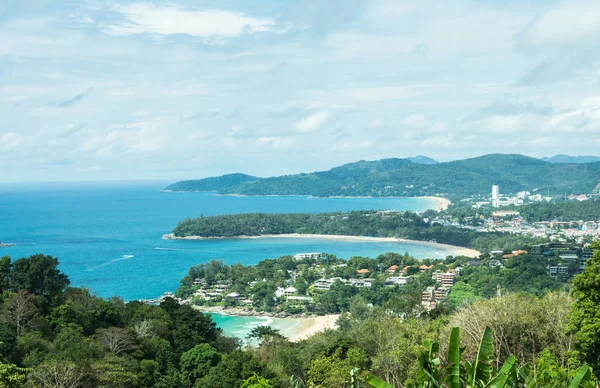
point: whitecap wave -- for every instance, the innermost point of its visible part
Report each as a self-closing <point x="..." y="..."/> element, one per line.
<point x="124" y="257"/>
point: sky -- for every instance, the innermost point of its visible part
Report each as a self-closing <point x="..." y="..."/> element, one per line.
<point x="122" y="90"/>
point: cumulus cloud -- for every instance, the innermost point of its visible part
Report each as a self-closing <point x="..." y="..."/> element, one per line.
<point x="312" y="122"/>
<point x="170" y="20"/>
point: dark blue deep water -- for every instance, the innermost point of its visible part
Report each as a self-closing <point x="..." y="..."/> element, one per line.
<point x="107" y="236"/>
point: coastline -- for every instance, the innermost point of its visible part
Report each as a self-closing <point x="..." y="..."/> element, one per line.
<point x="453" y="249"/>
<point x="442" y="203"/>
<point x="307" y="326"/>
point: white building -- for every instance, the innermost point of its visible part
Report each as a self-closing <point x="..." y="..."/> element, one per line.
<point x="495" y="196"/>
<point x="302" y="256"/>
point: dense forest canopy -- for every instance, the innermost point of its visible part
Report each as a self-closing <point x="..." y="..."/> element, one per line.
<point x="401" y="177"/>
<point x="356" y="223"/>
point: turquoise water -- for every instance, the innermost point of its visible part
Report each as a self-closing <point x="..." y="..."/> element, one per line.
<point x="107" y="236"/>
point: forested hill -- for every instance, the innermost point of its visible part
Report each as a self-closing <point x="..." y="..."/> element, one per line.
<point x="356" y="223"/>
<point x="220" y="183"/>
<point x="401" y="177"/>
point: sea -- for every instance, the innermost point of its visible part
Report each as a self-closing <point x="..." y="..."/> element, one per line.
<point x="108" y="235"/>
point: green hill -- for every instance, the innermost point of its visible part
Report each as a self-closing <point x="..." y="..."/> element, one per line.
<point x="401" y="177"/>
<point x="572" y="159"/>
<point x="220" y="183"/>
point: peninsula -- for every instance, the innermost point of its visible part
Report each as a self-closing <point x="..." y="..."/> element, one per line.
<point x="386" y="225"/>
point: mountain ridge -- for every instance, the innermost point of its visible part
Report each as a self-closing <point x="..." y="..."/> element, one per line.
<point x="402" y="177"/>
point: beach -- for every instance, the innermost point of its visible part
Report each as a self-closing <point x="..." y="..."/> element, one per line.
<point x="451" y="249"/>
<point x="296" y="328"/>
<point x="311" y="326"/>
<point x="442" y="203"/>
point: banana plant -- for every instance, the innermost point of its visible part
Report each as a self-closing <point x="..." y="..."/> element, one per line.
<point x="478" y="373"/>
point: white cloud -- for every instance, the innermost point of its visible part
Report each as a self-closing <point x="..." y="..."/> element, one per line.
<point x="169" y="20"/>
<point x="9" y="141"/>
<point x="567" y="24"/>
<point x="388" y="93"/>
<point x="312" y="122"/>
<point x="276" y="142"/>
<point x="415" y="121"/>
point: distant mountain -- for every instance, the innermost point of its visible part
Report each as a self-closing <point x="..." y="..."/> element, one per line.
<point x="422" y="159"/>
<point x="401" y="177"/>
<point x="572" y="159"/>
<point x="221" y="183"/>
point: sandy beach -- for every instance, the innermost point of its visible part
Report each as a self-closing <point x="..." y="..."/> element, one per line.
<point x="451" y="249"/>
<point x="313" y="325"/>
<point x="302" y="328"/>
<point x="442" y="203"/>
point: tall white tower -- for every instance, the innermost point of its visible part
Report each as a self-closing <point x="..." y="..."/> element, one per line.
<point x="495" y="196"/>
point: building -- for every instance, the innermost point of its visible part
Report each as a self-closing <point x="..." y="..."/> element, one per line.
<point x="392" y="270"/>
<point x="290" y="291"/>
<point x="362" y="271"/>
<point x="495" y="196"/>
<point x="446" y="279"/>
<point x="396" y="281"/>
<point x="556" y="270"/>
<point x="425" y="268"/>
<point x="361" y="283"/>
<point x="313" y="256"/>
<point x="299" y="299"/>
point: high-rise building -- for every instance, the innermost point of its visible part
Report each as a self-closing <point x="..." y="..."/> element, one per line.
<point x="495" y="196"/>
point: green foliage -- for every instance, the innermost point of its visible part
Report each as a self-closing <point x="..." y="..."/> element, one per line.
<point x="224" y="182"/>
<point x="355" y="223"/>
<point x="12" y="376"/>
<point x="585" y="314"/>
<point x="196" y="362"/>
<point x="256" y="381"/>
<point x="561" y="211"/>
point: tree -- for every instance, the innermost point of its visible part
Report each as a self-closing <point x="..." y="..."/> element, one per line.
<point x="40" y="276"/>
<point x="196" y="362"/>
<point x="5" y="273"/>
<point x="115" y="339"/>
<point x="584" y="319"/>
<point x="19" y="311"/>
<point x="263" y="332"/>
<point x="57" y="374"/>
<point x="256" y="381"/>
<point x="12" y="376"/>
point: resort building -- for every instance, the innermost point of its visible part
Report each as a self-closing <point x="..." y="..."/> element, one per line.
<point x="396" y="281"/>
<point x="446" y="279"/>
<point x="313" y="256"/>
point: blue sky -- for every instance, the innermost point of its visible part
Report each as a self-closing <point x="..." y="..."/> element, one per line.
<point x="102" y="90"/>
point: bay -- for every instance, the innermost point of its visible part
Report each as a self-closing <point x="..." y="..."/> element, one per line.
<point x="107" y="236"/>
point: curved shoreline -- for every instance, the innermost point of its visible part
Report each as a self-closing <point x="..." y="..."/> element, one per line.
<point x="442" y="203"/>
<point x="308" y="324"/>
<point x="453" y="249"/>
